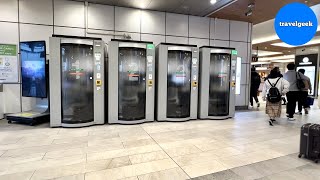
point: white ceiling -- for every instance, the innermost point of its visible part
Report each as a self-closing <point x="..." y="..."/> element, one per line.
<point x="190" y="7"/>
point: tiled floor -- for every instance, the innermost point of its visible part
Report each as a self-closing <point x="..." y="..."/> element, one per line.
<point x="242" y="148"/>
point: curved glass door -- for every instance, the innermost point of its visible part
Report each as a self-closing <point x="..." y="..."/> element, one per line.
<point x="219" y="87"/>
<point x="77" y="83"/>
<point x="132" y="84"/>
<point x="179" y="84"/>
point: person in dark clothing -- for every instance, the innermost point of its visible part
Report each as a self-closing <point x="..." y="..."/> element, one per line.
<point x="294" y="92"/>
<point x="302" y="102"/>
<point x="255" y="84"/>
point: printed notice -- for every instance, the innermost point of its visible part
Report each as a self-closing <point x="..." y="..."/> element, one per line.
<point x="8" y="63"/>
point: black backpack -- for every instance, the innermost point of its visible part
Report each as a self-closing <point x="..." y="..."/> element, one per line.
<point x="274" y="94"/>
<point x="300" y="83"/>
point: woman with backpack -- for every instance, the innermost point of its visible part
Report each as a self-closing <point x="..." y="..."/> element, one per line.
<point x="274" y="87"/>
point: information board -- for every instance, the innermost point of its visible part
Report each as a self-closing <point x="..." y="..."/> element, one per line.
<point x="9" y="72"/>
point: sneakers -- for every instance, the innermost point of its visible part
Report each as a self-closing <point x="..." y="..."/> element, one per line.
<point x="258" y="104"/>
<point x="270" y="123"/>
<point x="291" y="119"/>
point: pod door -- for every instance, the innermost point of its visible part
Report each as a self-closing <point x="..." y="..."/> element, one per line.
<point x="178" y="84"/>
<point x="77" y="83"/>
<point x="219" y="85"/>
<point x="132" y="84"/>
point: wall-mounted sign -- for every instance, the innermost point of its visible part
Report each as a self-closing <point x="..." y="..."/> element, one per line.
<point x="255" y="58"/>
<point x="305" y="61"/>
<point x="8" y="63"/>
<point x="234" y="52"/>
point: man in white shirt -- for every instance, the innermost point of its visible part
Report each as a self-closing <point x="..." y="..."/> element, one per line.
<point x="294" y="92"/>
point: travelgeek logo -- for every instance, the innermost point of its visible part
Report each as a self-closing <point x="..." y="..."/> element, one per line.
<point x="296" y="24"/>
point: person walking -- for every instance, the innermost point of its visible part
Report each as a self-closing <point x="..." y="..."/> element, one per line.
<point x="255" y="84"/>
<point x="273" y="89"/>
<point x="295" y="79"/>
<point x="302" y="102"/>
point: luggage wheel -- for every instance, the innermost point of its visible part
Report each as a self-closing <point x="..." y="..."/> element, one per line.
<point x="316" y="161"/>
<point x="9" y="122"/>
<point x="300" y="155"/>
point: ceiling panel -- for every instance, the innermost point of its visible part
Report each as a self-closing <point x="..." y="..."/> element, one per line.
<point x="193" y="7"/>
<point x="108" y="2"/>
<point x="165" y="5"/>
<point x="140" y="4"/>
<point x="264" y="9"/>
<point x="230" y="9"/>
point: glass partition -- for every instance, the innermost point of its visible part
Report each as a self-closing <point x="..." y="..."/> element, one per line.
<point x="179" y="84"/>
<point x="219" y="87"/>
<point x="77" y="83"/>
<point x="132" y="83"/>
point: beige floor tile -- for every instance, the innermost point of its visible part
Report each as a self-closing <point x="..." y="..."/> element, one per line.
<point x="132" y="170"/>
<point x="25" y="144"/>
<point x="72" y="177"/>
<point x="70" y="140"/>
<point x="6" y="161"/>
<point x="97" y="165"/>
<point x="56" y="172"/>
<point x="178" y="151"/>
<point x="186" y="142"/>
<point x="2" y="152"/>
<point x="17" y="176"/>
<point x="212" y="146"/>
<point x="232" y="161"/>
<point x="104" y="147"/>
<point x="122" y="152"/>
<point x="130" y="178"/>
<point x="205" y="168"/>
<point x="99" y="142"/>
<point x="9" y="140"/>
<point x="43" y="149"/>
<point x="65" y="153"/>
<point x="137" y="143"/>
<point x="170" y="174"/>
<point x="134" y="137"/>
<point x="152" y="156"/>
<point x="46" y="163"/>
<point x="195" y="158"/>
<point x="225" y="152"/>
<point x="251" y="147"/>
<point x="119" y="162"/>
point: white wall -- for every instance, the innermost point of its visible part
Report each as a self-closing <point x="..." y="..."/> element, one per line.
<point x="38" y="19"/>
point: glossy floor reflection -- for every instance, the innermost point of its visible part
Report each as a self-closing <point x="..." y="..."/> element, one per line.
<point x="245" y="147"/>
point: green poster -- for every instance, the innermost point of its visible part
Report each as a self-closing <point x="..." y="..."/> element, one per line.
<point x="8" y="64"/>
<point x="8" y="50"/>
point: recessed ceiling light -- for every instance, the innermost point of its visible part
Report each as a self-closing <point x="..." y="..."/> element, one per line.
<point x="213" y="1"/>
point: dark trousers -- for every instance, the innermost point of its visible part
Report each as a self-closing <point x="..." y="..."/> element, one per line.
<point x="303" y="100"/>
<point x="253" y="95"/>
<point x="292" y="98"/>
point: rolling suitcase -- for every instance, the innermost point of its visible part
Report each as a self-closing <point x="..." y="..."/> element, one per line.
<point x="310" y="142"/>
